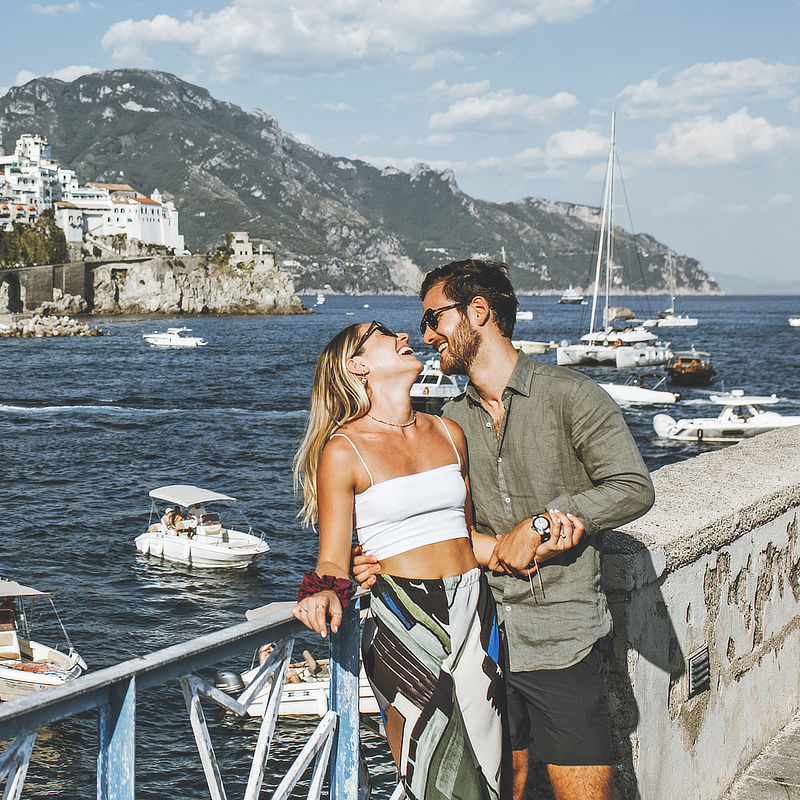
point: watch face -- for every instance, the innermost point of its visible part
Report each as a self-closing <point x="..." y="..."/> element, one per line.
<point x="541" y="523"/>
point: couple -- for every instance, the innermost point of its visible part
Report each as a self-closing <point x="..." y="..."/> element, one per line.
<point x="532" y="461"/>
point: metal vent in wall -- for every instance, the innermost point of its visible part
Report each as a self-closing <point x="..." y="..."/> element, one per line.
<point x="699" y="671"/>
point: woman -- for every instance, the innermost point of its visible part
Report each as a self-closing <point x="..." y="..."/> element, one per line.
<point x="431" y="647"/>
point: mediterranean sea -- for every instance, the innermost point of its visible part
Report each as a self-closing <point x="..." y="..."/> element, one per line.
<point x="89" y="425"/>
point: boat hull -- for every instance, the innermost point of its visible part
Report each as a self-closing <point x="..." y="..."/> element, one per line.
<point x="718" y="432"/>
<point x="641" y="356"/>
<point x="574" y="355"/>
<point x="45" y="667"/>
<point x="637" y="395"/>
<point x="227" y="550"/>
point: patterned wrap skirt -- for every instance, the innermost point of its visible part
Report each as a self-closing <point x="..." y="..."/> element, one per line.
<point x="431" y="651"/>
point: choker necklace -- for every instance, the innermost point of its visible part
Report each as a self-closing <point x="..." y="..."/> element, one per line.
<point x="396" y="424"/>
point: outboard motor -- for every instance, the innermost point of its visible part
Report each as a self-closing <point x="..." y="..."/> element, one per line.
<point x="228" y="681"/>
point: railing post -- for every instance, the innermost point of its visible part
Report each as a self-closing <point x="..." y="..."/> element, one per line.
<point x="345" y="664"/>
<point x="116" y="758"/>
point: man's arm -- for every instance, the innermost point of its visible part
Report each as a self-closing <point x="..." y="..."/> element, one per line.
<point x="622" y="490"/>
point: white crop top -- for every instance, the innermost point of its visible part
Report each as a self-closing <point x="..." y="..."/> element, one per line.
<point x="410" y="511"/>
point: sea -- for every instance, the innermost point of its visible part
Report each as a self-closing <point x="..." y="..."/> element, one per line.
<point x="89" y="426"/>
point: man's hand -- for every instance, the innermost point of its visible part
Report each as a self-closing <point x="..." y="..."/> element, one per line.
<point x="365" y="568"/>
<point x="515" y="551"/>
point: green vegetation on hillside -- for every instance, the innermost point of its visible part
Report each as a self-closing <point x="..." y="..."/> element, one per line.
<point x="40" y="243"/>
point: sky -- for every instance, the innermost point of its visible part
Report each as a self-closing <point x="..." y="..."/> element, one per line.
<point x="515" y="96"/>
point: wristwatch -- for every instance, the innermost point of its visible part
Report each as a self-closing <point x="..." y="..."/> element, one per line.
<point x="541" y="524"/>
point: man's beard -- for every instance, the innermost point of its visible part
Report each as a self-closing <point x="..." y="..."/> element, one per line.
<point x="462" y="347"/>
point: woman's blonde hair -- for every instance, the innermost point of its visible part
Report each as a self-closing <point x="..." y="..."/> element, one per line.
<point x="337" y="396"/>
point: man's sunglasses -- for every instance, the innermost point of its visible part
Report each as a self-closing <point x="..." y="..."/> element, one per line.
<point x="430" y="319"/>
<point x="374" y="326"/>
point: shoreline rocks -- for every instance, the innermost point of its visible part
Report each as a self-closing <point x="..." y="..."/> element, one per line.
<point x="39" y="327"/>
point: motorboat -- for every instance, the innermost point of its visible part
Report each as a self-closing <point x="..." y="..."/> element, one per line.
<point x="668" y="318"/>
<point x="524" y="315"/>
<point x="741" y="417"/>
<point x="794" y="322"/>
<point x="690" y="368"/>
<point x="26" y="666"/>
<point x="320" y="299"/>
<point x="636" y="393"/>
<point x="306" y="690"/>
<point x="195" y="536"/>
<point x="533" y="348"/>
<point x="605" y="345"/>
<point x="432" y="388"/>
<point x="624" y="349"/>
<point x="571" y="297"/>
<point x="173" y="338"/>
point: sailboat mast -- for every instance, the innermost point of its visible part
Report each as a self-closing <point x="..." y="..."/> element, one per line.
<point x="603" y="220"/>
<point x="610" y="232"/>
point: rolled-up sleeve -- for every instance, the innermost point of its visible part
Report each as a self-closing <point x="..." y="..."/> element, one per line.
<point x="621" y="487"/>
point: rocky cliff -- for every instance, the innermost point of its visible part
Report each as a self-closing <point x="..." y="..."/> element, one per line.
<point x="191" y="285"/>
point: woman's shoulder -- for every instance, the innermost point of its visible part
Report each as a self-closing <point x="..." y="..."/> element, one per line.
<point x="453" y="428"/>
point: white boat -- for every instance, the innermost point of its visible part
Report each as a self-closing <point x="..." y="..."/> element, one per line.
<point x="26" y="666"/>
<point x="609" y="346"/>
<point x="794" y="322"/>
<point x="668" y="318"/>
<point x="200" y="539"/>
<point x="571" y="297"/>
<point x="173" y="338"/>
<point x="524" y="315"/>
<point x="624" y="349"/>
<point x="638" y="394"/>
<point x="320" y="299"/>
<point x="306" y="691"/>
<point x="741" y="417"/>
<point x="533" y="348"/>
<point x="432" y="388"/>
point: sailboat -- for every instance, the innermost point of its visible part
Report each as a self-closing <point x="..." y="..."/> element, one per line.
<point x="668" y="318"/>
<point x="631" y="347"/>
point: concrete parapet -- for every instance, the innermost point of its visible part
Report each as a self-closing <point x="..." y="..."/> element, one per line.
<point x="714" y="565"/>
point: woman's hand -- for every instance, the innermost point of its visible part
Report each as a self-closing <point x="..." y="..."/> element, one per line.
<point x="365" y="567"/>
<point x="313" y="611"/>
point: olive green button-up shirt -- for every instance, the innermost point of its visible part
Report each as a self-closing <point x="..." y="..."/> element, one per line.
<point x="563" y="445"/>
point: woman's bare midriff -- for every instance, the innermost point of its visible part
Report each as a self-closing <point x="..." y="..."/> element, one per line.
<point x="432" y="561"/>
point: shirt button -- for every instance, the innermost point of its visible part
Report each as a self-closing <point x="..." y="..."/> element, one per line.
<point x="507" y="499"/>
<point x="488" y="424"/>
<point x="508" y="608"/>
<point x="499" y="460"/>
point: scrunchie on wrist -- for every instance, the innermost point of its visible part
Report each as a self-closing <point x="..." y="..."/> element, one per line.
<point x="313" y="583"/>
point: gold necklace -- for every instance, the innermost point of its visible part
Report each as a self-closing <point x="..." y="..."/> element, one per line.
<point x="396" y="424"/>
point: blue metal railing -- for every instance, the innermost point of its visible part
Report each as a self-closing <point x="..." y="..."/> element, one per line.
<point x="113" y="692"/>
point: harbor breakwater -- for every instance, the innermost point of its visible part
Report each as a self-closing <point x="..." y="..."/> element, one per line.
<point x="149" y="285"/>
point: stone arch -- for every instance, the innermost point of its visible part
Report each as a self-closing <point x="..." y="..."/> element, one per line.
<point x="11" y="294"/>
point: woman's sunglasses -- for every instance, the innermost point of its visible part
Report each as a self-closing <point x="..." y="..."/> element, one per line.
<point x="374" y="326"/>
<point x="430" y="319"/>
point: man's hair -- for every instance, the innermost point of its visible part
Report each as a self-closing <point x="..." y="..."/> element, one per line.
<point x="463" y="280"/>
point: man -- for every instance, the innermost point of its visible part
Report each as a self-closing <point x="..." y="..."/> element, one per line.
<point x="541" y="439"/>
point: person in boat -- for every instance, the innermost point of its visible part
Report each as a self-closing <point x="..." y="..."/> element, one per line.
<point x="166" y="519"/>
<point x="178" y="520"/>
<point x="560" y="442"/>
<point x="197" y="513"/>
<point x="431" y="645"/>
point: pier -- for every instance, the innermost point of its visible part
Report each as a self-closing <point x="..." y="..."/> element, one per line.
<point x="702" y="672"/>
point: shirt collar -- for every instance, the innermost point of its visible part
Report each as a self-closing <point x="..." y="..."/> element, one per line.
<point x="519" y="382"/>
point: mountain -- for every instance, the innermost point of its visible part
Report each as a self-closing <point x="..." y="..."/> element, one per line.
<point x="333" y="221"/>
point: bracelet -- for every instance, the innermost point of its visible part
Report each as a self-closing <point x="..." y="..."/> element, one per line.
<point x="313" y="583"/>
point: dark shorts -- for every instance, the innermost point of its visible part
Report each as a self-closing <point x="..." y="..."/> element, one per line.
<point x="563" y="711"/>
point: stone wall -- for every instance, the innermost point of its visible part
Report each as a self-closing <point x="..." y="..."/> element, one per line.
<point x="716" y="564"/>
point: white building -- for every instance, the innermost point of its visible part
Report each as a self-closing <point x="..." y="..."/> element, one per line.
<point x="242" y="253"/>
<point x="31" y="181"/>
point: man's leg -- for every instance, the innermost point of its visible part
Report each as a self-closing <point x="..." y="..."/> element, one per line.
<point x="519" y="765"/>
<point x="580" y="783"/>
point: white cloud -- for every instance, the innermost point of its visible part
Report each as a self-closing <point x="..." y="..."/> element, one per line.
<point x="682" y="205"/>
<point x="701" y="87"/>
<point x="501" y="109"/>
<point x="569" y="145"/>
<point x="337" y="107"/>
<point x="307" y="35"/>
<point x="408" y="163"/>
<point x="704" y="140"/>
<point x="456" y="90"/>
<point x="780" y="199"/>
<point x="56" y="8"/>
<point x="67" y="74"/>
<point x="439" y="139"/>
<point x="429" y="61"/>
